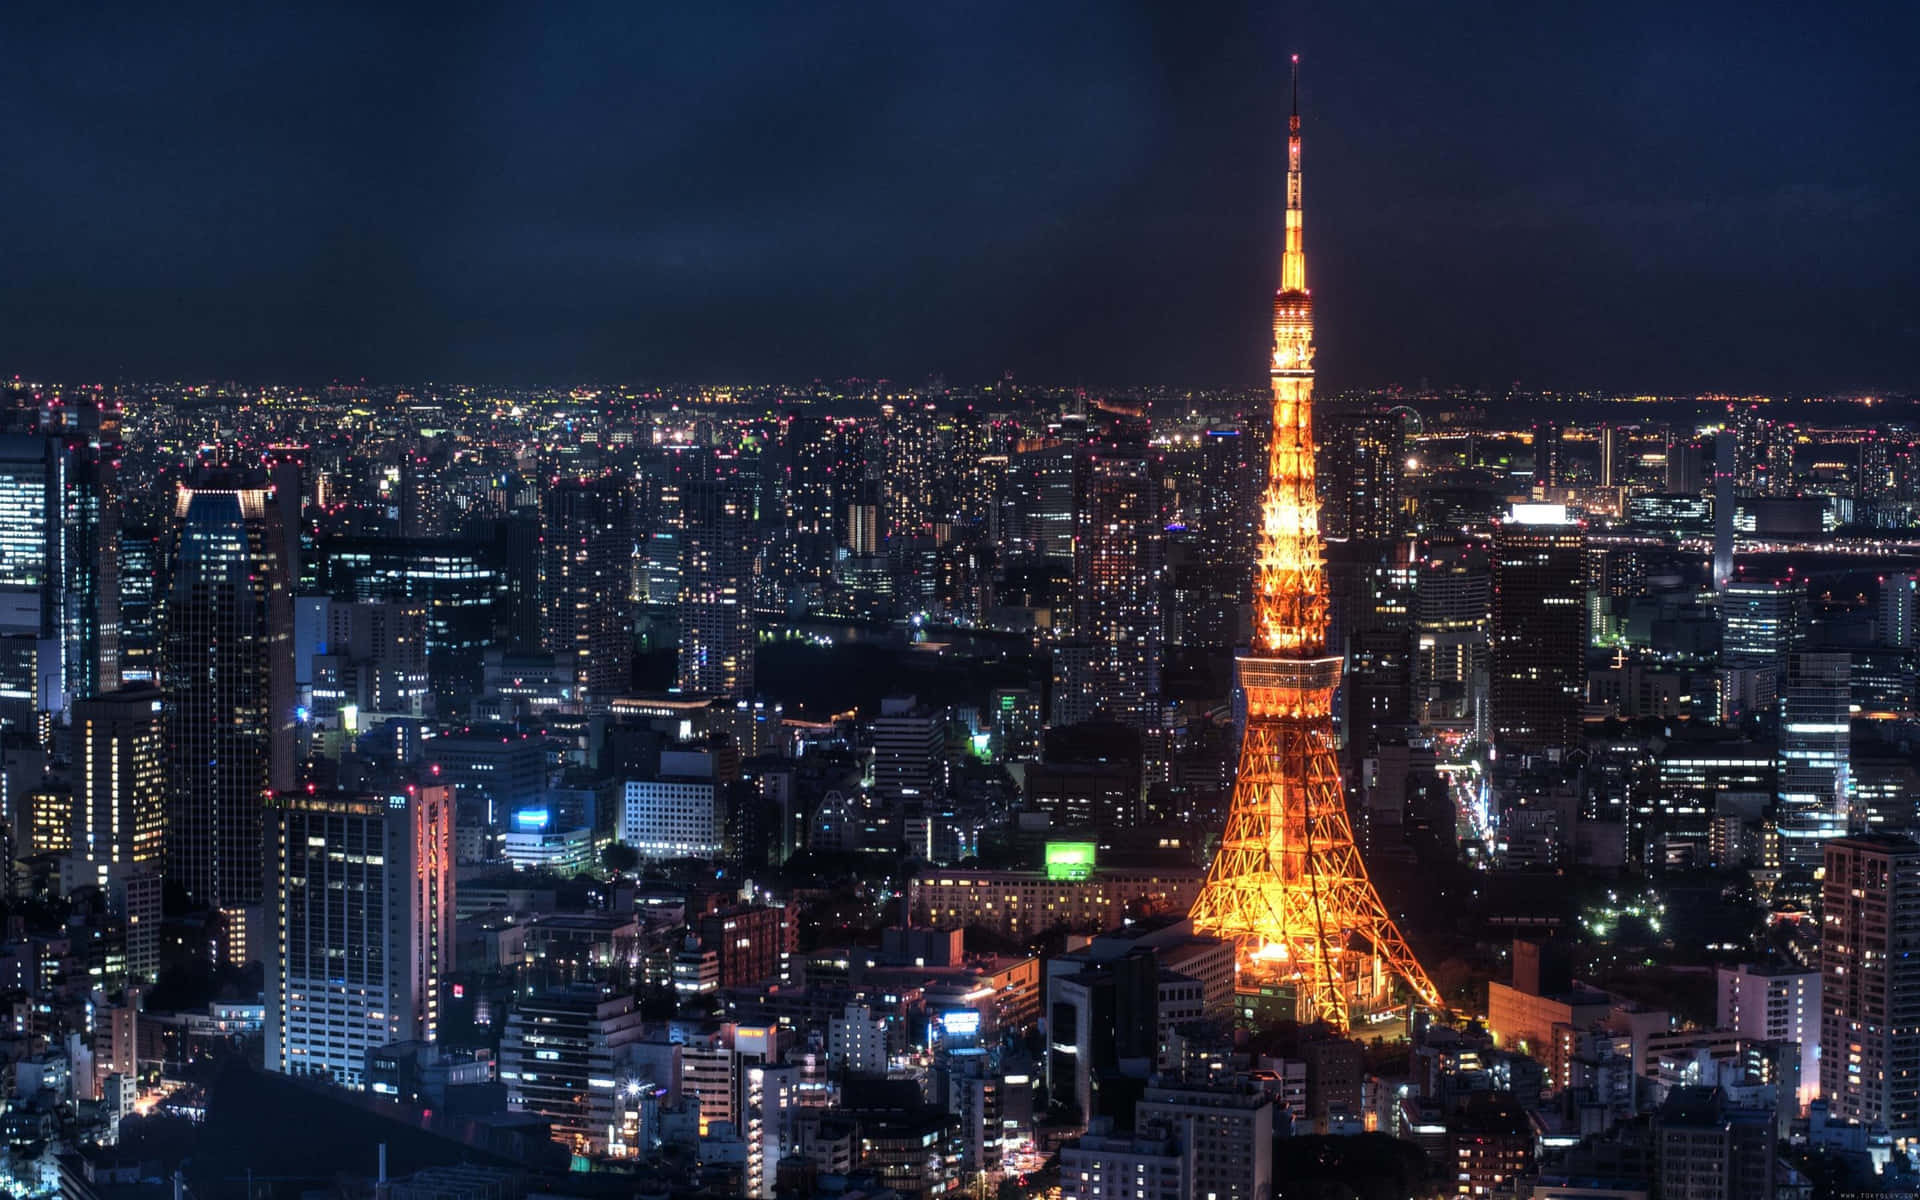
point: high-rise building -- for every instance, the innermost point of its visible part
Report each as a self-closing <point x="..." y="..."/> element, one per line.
<point x="1452" y="609"/>
<point x="816" y="479"/>
<point x="1041" y="493"/>
<point x="361" y="659"/>
<point x="911" y="467"/>
<point x="464" y="586"/>
<point x="227" y="675"/>
<point x="1362" y="461"/>
<point x="1870" y="983"/>
<point x="1897" y="606"/>
<point x="1815" y="737"/>
<point x="142" y="599"/>
<point x="717" y="583"/>
<point x="1760" y="621"/>
<point x="909" y="751"/>
<point x="360" y="919"/>
<point x="1549" y="451"/>
<point x="1118" y="567"/>
<point x="1774" y="1004"/>
<point x="555" y="1046"/>
<point x="120" y="781"/>
<point x="59" y="567"/>
<point x="1538" y="680"/>
<point x="1724" y="474"/>
<point x="587" y="583"/>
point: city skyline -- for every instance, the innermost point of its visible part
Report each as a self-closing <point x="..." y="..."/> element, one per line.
<point x="925" y="790"/>
<point x="1630" y="201"/>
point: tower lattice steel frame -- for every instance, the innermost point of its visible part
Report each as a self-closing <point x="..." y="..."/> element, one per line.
<point x="1288" y="884"/>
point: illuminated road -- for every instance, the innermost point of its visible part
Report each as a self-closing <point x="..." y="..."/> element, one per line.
<point x="1471" y="807"/>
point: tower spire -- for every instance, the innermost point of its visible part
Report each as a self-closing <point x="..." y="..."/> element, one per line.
<point x="1288" y="885"/>
<point x="1293" y="261"/>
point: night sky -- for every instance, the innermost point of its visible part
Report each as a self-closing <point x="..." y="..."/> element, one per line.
<point x="1667" y="198"/>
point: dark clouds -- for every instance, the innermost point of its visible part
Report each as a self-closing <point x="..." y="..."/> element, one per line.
<point x="1670" y="197"/>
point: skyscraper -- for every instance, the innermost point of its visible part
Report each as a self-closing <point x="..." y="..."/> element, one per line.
<point x="1452" y="605"/>
<point x="716" y="582"/>
<point x="1870" y="982"/>
<point x="228" y="684"/>
<point x="1539" y="630"/>
<point x="140" y="553"/>
<point x="1118" y="549"/>
<point x="911" y="468"/>
<point x="1723" y="481"/>
<point x="119" y="781"/>
<point x="1363" y="459"/>
<point x="815" y="484"/>
<point x="1815" y="736"/>
<point x="360" y="907"/>
<point x="587" y="584"/>
<point x="59" y="564"/>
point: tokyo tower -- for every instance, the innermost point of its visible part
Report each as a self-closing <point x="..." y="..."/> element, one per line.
<point x="1288" y="885"/>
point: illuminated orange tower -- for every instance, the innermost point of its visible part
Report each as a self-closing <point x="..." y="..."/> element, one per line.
<point x="1288" y="884"/>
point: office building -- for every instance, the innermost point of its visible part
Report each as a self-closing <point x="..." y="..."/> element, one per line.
<point x="1539" y="630"/>
<point x="1897" y="605"/>
<point x="909" y="751"/>
<point x="464" y="586"/>
<point x="560" y="1057"/>
<point x="142" y="548"/>
<point x="119" y="777"/>
<point x="356" y="660"/>
<point x="1870" y="982"/>
<point x="229" y="689"/>
<point x="1816" y="724"/>
<point x="360" y="917"/>
<point x="678" y="814"/>
<point x="1102" y="1018"/>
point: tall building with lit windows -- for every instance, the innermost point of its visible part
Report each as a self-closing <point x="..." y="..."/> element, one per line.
<point x="59" y="567"/>
<point x="360" y="914"/>
<point x="560" y="1058"/>
<point x="586" y="583"/>
<point x="1537" y="686"/>
<point x="1118" y="571"/>
<point x="717" y="581"/>
<point x="1870" y="983"/>
<point x="119" y="778"/>
<point x="1816" y="723"/>
<point x="1362" y="462"/>
<point x="912" y="458"/>
<point x="228" y="680"/>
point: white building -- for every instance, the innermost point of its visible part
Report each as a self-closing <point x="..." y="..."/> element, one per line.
<point x="1226" y="1135"/>
<point x="857" y="1041"/>
<point x="360" y="902"/>
<point x="678" y="815"/>
<point x="1775" y="1004"/>
<point x="1147" y="1165"/>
